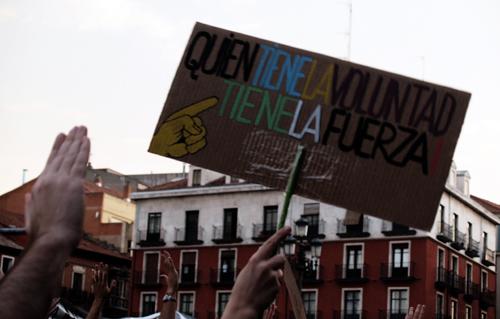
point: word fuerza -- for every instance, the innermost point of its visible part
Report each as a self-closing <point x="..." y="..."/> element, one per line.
<point x="332" y="103"/>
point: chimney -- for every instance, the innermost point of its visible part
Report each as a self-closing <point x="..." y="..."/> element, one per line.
<point x="127" y="189"/>
<point x="98" y="180"/>
<point x="463" y="182"/>
<point x="452" y="175"/>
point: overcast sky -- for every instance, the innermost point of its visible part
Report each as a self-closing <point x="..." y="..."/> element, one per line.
<point x="108" y="64"/>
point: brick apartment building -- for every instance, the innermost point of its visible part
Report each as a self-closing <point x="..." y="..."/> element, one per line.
<point x="108" y="226"/>
<point x="211" y="224"/>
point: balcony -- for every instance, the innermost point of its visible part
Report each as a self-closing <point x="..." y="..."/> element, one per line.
<point x="317" y="230"/>
<point x="398" y="272"/>
<point x="189" y="237"/>
<point x="392" y="313"/>
<point x="118" y="302"/>
<point x="149" y="239"/>
<point x="458" y="240"/>
<point x="456" y="283"/>
<point x="471" y="247"/>
<point x="394" y="229"/>
<point x="223" y="277"/>
<point x="488" y="257"/>
<point x="349" y="231"/>
<point x="261" y="232"/>
<point x="146" y="278"/>
<point x="441" y="278"/>
<point x="487" y="299"/>
<point x="189" y="277"/>
<point x="346" y="275"/>
<point x="313" y="276"/>
<point x="349" y="314"/>
<point x="444" y="232"/>
<point x="222" y="235"/>
<point x="471" y="291"/>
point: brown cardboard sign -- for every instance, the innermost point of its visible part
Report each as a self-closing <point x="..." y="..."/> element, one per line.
<point x="375" y="142"/>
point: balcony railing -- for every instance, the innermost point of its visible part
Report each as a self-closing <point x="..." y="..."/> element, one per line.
<point x="397" y="271"/>
<point x="394" y="229"/>
<point x="118" y="302"/>
<point x="456" y="283"/>
<point x="471" y="247"/>
<point x="487" y="298"/>
<point x="148" y="239"/>
<point x="357" y="230"/>
<point x="458" y="240"/>
<point x="392" y="313"/>
<point x="346" y="274"/>
<point x="471" y="291"/>
<point x="488" y="257"/>
<point x="444" y="232"/>
<point x="221" y="235"/>
<point x="313" y="276"/>
<point x="76" y="296"/>
<point x="223" y="276"/>
<point x="146" y="278"/>
<point x="317" y="230"/>
<point x="441" y="278"/>
<point x="189" y="237"/>
<point x="261" y="232"/>
<point x="189" y="277"/>
<point x="349" y="314"/>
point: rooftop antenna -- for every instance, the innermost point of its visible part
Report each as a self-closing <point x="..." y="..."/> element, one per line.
<point x="25" y="170"/>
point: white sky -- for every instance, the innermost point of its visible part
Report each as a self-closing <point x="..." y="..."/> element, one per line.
<point x="108" y="64"/>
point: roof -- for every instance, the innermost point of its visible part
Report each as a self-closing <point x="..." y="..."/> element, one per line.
<point x="489" y="205"/>
<point x="90" y="187"/>
<point x="4" y="241"/>
<point x="182" y="183"/>
<point x="95" y="245"/>
<point x="8" y="218"/>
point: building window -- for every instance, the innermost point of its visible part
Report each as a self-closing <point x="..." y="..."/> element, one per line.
<point x="442" y="219"/>
<point x="309" y="299"/>
<point x="222" y="300"/>
<point x="227" y="265"/>
<point x="454" y="264"/>
<point x="154" y="226"/>
<point x="196" y="177"/>
<point x="151" y="268"/>
<point x="484" y="281"/>
<point x="230" y="227"/>
<point x="352" y="304"/>
<point x="468" y="278"/>
<point x="77" y="281"/>
<point x="7" y="263"/>
<point x="186" y="303"/>
<point x="398" y="303"/>
<point x="468" y="312"/>
<point x="270" y="219"/>
<point x="453" y="309"/>
<point x="148" y="304"/>
<point x="400" y="260"/>
<point x="485" y="242"/>
<point x="188" y="267"/>
<point x="469" y="233"/>
<point x="439" y="305"/>
<point x="191" y="225"/>
<point x="354" y="261"/>
<point x="311" y="215"/>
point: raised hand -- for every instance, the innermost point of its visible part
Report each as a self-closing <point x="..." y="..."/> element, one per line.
<point x="54" y="209"/>
<point x="259" y="282"/>
<point x="418" y="314"/>
<point x="100" y="281"/>
<point x="183" y="132"/>
<point x="169" y="273"/>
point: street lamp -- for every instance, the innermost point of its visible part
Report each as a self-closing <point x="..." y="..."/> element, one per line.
<point x="301" y="227"/>
<point x="289" y="246"/>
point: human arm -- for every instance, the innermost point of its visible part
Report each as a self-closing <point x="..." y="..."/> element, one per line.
<point x="101" y="290"/>
<point x="171" y="276"/>
<point x="54" y="213"/>
<point x="259" y="282"/>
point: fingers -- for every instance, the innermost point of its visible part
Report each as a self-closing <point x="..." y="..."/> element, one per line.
<point x="419" y="314"/>
<point x="188" y="124"/>
<point x="409" y="315"/>
<point x="73" y="149"/>
<point x="269" y="246"/>
<point x="276" y="263"/>
<point x="63" y="149"/>
<point x="57" y="144"/>
<point x="82" y="159"/>
<point x="195" y="108"/>
<point x="193" y="138"/>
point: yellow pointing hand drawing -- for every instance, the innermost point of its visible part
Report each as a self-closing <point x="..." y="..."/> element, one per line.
<point x="183" y="132"/>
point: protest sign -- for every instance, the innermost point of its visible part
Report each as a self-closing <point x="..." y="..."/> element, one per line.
<point x="375" y="142"/>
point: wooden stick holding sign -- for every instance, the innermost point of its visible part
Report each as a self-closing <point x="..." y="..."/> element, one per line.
<point x="289" y="277"/>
